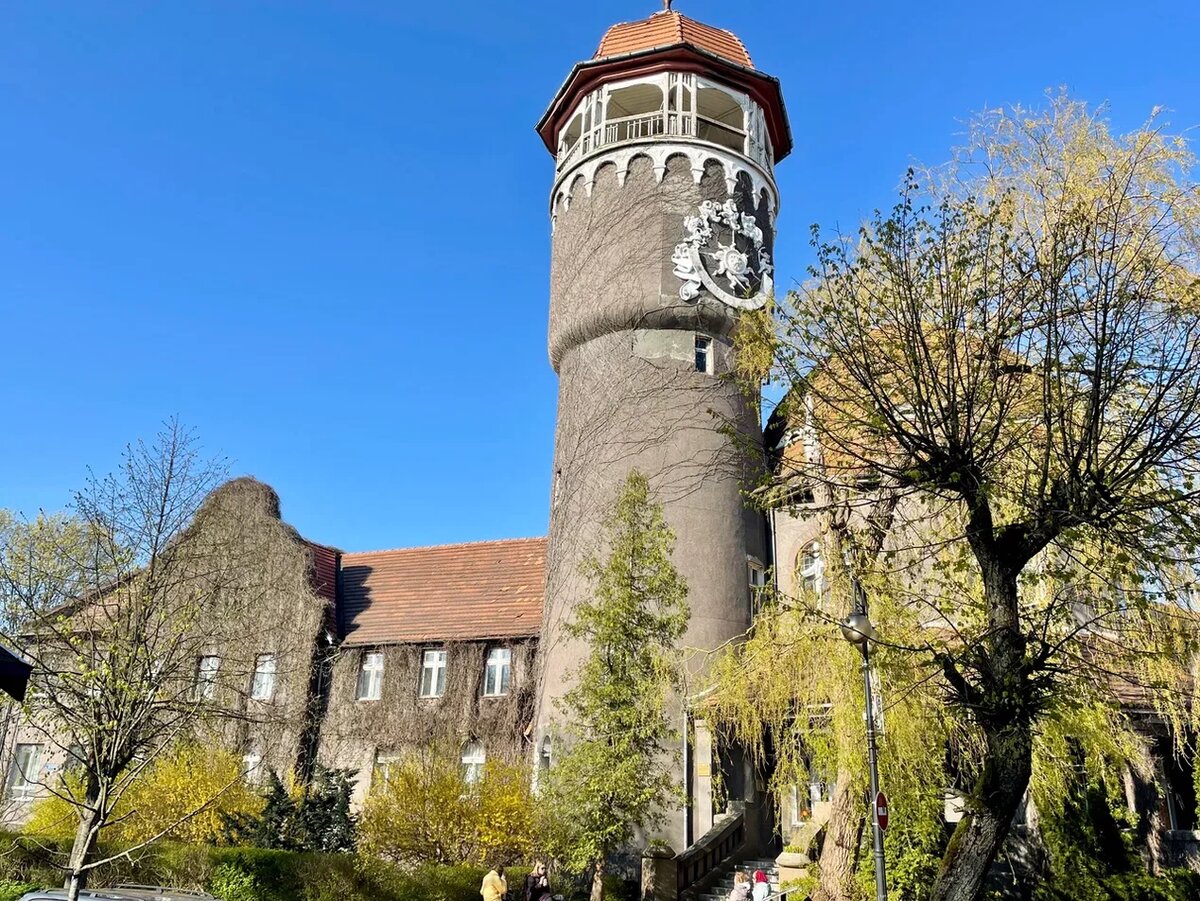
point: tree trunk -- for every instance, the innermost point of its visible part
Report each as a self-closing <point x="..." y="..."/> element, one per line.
<point x="1004" y="710"/>
<point x="85" y="841"/>
<point x="598" y="881"/>
<point x="843" y="836"/>
<point x="983" y="828"/>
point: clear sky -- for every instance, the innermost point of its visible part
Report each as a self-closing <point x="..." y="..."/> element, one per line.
<point x="317" y="232"/>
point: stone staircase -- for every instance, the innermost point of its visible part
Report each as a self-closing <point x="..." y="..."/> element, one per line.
<point x="720" y="889"/>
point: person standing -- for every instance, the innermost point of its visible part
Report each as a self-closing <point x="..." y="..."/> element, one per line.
<point x="494" y="886"/>
<point x="741" y="887"/>
<point x="537" y="883"/>
<point x="762" y="888"/>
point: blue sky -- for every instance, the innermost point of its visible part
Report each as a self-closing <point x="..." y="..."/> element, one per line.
<point x="317" y="232"/>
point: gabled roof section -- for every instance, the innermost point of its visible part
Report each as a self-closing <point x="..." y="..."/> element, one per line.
<point x="324" y="571"/>
<point x="668" y="29"/>
<point x="452" y="592"/>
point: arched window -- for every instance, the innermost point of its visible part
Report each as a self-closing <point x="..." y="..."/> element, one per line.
<point x="720" y="119"/>
<point x="634" y="112"/>
<point x="809" y="569"/>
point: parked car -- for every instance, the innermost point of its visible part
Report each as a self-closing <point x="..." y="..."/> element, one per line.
<point x="122" y="893"/>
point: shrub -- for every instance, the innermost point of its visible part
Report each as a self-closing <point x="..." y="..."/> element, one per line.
<point x="315" y="818"/>
<point x="426" y="812"/>
<point x="186" y="780"/>
<point x="11" y="891"/>
<point x="232" y="884"/>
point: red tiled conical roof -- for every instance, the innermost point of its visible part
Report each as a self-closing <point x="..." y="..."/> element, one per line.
<point x="668" y="29"/>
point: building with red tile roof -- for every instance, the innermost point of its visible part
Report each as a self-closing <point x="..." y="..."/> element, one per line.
<point x="481" y="590"/>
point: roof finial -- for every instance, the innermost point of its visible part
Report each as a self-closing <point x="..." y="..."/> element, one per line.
<point x="667" y="4"/>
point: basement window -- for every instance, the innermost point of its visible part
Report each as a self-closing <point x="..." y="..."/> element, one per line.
<point x="252" y="768"/>
<point x="474" y="758"/>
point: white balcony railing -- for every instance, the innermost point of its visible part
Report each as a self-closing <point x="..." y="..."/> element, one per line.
<point x="663" y="124"/>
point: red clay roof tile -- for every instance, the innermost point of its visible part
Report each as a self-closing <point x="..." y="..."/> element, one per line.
<point x="667" y="29"/>
<point x="490" y="589"/>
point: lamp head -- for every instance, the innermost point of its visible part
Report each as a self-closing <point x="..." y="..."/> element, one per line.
<point x="858" y="630"/>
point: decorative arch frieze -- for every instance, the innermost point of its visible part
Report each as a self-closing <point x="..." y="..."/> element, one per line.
<point x="659" y="153"/>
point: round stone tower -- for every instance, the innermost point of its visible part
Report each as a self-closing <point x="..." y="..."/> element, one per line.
<point x="663" y="212"/>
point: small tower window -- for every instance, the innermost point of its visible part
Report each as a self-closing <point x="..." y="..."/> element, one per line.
<point x="703" y="353"/>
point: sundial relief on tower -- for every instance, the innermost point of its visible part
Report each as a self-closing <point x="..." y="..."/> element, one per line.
<point x="663" y="206"/>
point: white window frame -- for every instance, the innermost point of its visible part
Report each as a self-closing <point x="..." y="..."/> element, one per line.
<point x="497" y="673"/>
<point x="756" y="575"/>
<point x="369" y="684"/>
<point x="474" y="759"/>
<point x="23" y="775"/>
<point x="382" y="773"/>
<point x="262" y="686"/>
<point x="433" y="673"/>
<point x="811" y="575"/>
<point x="208" y="667"/>
<point x="252" y="768"/>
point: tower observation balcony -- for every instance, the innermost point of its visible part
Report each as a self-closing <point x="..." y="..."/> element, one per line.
<point x="665" y="106"/>
<point x="667" y="80"/>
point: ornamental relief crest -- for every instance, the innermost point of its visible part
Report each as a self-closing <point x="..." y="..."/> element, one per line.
<point x="723" y="254"/>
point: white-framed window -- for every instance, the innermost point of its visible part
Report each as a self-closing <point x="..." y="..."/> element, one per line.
<point x="703" y="353"/>
<point x="205" y="685"/>
<point x="474" y="757"/>
<point x="820" y="789"/>
<point x="263" y="686"/>
<point x="810" y="570"/>
<point x="385" y="762"/>
<point x="545" y="754"/>
<point x="758" y="581"/>
<point x="252" y="768"/>
<point x="498" y="673"/>
<point x="433" y="673"/>
<point x="25" y="771"/>
<point x="370" y="677"/>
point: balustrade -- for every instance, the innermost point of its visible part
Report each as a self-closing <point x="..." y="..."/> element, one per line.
<point x="666" y="123"/>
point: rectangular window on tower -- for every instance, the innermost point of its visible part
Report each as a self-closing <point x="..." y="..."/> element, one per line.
<point x="703" y="353"/>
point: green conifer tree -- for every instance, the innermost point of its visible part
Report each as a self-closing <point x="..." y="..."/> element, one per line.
<point x="615" y="775"/>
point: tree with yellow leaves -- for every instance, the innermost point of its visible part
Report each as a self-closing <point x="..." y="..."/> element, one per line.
<point x="424" y="809"/>
<point x="1017" y="346"/>
<point x="183" y="796"/>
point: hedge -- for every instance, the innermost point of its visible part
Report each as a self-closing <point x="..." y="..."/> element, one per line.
<point x="244" y="874"/>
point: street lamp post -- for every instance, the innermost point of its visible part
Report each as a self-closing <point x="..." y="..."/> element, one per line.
<point x="857" y="630"/>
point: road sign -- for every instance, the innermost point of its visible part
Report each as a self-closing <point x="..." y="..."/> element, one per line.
<point x="881" y="810"/>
